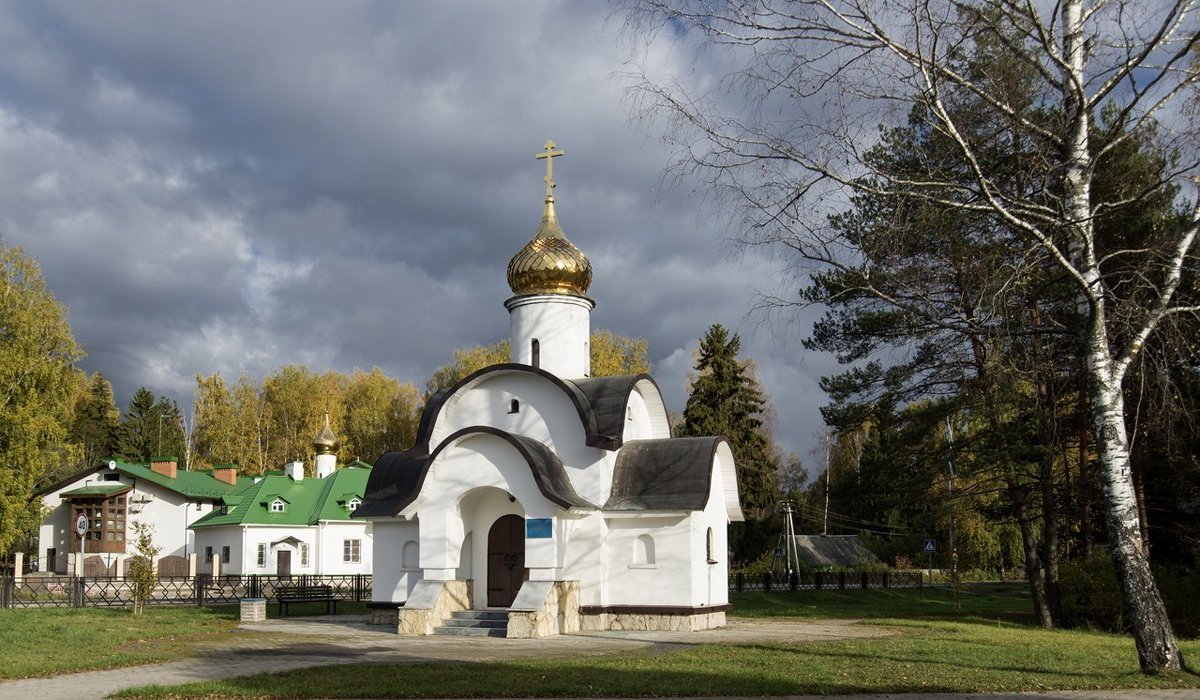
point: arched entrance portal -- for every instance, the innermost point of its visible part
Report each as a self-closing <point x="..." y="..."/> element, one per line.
<point x="505" y="560"/>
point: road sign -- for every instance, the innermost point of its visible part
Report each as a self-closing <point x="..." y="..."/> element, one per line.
<point x="930" y="545"/>
<point x="81" y="524"/>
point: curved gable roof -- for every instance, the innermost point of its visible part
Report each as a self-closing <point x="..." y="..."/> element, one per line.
<point x="670" y="474"/>
<point x="600" y="402"/>
<point x="397" y="478"/>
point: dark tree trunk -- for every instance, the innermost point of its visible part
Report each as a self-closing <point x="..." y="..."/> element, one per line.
<point x="1029" y="543"/>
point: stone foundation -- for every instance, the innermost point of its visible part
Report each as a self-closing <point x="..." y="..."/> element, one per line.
<point x="430" y="604"/>
<point x="543" y="608"/>
<point x="655" y="622"/>
<point x="385" y="613"/>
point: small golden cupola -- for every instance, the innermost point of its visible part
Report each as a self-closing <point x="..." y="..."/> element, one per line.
<point x="549" y="263"/>
<point x="326" y="443"/>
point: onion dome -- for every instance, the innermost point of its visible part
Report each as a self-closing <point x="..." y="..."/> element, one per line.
<point x="549" y="263"/>
<point x="326" y="443"/>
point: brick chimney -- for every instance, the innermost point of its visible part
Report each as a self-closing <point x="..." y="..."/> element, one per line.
<point x="167" y="466"/>
<point x="227" y="474"/>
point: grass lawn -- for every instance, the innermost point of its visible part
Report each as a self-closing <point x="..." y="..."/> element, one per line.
<point x="42" y="642"/>
<point x="985" y="644"/>
<point x="992" y="601"/>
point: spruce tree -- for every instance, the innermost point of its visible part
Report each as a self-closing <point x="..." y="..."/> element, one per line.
<point x="152" y="427"/>
<point x="727" y="400"/>
<point x="97" y="425"/>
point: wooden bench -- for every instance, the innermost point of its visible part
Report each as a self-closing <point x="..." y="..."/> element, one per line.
<point x="287" y="595"/>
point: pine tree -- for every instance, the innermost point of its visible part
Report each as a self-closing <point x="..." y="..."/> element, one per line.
<point x="726" y="400"/>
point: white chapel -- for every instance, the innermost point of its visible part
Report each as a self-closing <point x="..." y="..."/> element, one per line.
<point x="539" y="500"/>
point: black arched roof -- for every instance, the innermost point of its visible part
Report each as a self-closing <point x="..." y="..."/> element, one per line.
<point x="671" y="474"/>
<point x="600" y="402"/>
<point x="397" y="477"/>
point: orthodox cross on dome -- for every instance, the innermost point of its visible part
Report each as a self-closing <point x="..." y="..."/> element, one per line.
<point x="549" y="154"/>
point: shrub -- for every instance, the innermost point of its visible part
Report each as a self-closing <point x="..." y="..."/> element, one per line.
<point x="1091" y="596"/>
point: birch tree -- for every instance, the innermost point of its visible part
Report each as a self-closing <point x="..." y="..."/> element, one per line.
<point x="813" y="79"/>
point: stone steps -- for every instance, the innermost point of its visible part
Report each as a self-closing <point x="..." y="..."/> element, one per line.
<point x="475" y="623"/>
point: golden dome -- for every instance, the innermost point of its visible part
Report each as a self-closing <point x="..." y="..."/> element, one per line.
<point x="549" y="263"/>
<point x="326" y="443"/>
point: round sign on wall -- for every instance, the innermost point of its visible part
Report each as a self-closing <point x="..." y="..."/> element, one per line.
<point x="81" y="524"/>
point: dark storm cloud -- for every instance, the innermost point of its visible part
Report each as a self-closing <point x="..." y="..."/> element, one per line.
<point x="234" y="186"/>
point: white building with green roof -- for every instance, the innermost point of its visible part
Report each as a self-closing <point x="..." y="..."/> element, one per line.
<point x="286" y="524"/>
<point x="116" y="493"/>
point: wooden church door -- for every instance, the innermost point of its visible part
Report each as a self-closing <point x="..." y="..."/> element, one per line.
<point x="506" y="560"/>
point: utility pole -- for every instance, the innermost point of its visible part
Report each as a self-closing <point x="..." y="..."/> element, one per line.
<point x="828" y="466"/>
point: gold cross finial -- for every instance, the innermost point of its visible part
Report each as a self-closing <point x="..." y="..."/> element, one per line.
<point x="549" y="154"/>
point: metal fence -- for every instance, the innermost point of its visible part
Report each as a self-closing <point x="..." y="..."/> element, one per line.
<point x="39" y="591"/>
<point x="824" y="580"/>
<point x="116" y="591"/>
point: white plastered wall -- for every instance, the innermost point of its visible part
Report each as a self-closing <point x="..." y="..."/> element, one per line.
<point x="669" y="579"/>
<point x="217" y="537"/>
<point x="330" y="553"/>
<point x="396" y="560"/>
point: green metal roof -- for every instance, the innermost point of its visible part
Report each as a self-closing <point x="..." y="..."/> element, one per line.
<point x="111" y="488"/>
<point x="193" y="484"/>
<point x="308" y="500"/>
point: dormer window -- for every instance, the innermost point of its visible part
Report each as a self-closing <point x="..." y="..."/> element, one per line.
<point x="353" y="504"/>
<point x="514" y="406"/>
<point x="278" y="506"/>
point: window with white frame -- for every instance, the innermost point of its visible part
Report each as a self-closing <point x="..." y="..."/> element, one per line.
<point x="353" y="504"/>
<point x="278" y="506"/>
<point x="225" y="554"/>
<point x="352" y="551"/>
<point x="303" y="554"/>
<point x="262" y="555"/>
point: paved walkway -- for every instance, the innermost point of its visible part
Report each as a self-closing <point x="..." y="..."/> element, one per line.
<point x="281" y="645"/>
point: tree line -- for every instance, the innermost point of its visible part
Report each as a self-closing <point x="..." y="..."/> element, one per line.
<point x="262" y="424"/>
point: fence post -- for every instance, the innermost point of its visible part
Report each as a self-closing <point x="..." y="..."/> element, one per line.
<point x="816" y="580"/>
<point x="794" y="581"/>
<point x="6" y="592"/>
<point x="841" y="580"/>
<point x="198" y="589"/>
<point x="885" y="579"/>
<point x="866" y="583"/>
<point x="80" y="592"/>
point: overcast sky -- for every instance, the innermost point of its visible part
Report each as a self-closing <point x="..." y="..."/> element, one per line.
<point x="236" y="186"/>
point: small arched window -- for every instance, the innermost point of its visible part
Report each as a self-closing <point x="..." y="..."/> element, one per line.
<point x="278" y="506"/>
<point x="410" y="555"/>
<point x="708" y="546"/>
<point x="643" y="551"/>
<point x="353" y="504"/>
<point x="536" y="350"/>
<point x="514" y="406"/>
